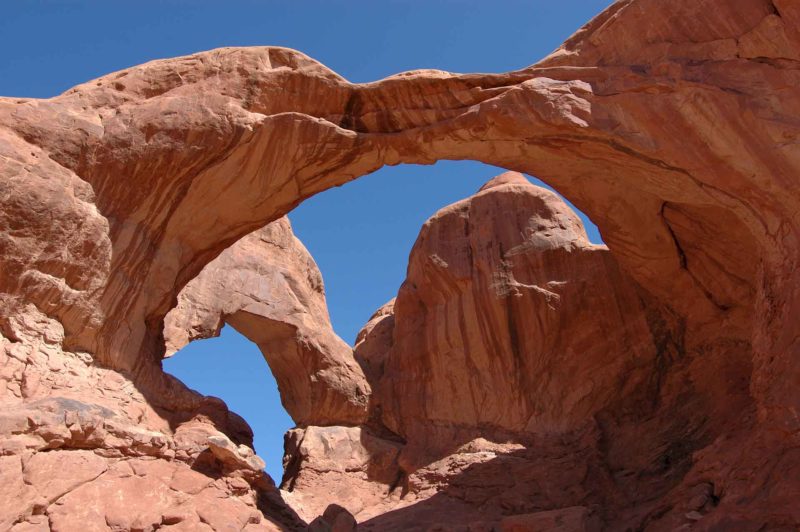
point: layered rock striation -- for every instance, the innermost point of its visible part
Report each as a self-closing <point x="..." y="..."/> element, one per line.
<point x="521" y="376"/>
<point x="510" y="320"/>
<point x="269" y="288"/>
<point x="671" y="124"/>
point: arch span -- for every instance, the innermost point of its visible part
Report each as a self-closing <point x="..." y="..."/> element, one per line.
<point x="267" y="287"/>
<point x="672" y="125"/>
<point x="243" y="135"/>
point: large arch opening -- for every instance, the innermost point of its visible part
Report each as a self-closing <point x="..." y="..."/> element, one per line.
<point x="667" y="336"/>
<point x="645" y="324"/>
<point x="685" y="204"/>
<point x="361" y="233"/>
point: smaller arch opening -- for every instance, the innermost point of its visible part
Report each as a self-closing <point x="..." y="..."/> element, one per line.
<point x="232" y="368"/>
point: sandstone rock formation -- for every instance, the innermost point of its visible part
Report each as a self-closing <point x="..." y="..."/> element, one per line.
<point x="520" y="372"/>
<point x="82" y="449"/>
<point x="269" y="288"/>
<point x="671" y="124"/>
<point x="505" y="292"/>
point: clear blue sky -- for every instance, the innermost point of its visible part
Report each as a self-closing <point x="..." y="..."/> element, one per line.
<point x="359" y="234"/>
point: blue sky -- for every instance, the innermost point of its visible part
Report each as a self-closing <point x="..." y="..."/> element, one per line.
<point x="360" y="234"/>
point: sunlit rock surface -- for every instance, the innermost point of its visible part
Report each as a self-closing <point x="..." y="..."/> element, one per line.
<point x="269" y="288"/>
<point x="671" y="124"/>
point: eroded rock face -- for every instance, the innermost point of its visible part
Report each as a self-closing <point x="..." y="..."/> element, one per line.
<point x="82" y="448"/>
<point x="671" y="124"/>
<point x="351" y="467"/>
<point x="524" y="374"/>
<point x="505" y="292"/>
<point x="269" y="288"/>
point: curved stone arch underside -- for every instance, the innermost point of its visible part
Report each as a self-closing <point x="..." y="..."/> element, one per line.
<point x="679" y="162"/>
<point x="268" y="287"/>
<point x="671" y="125"/>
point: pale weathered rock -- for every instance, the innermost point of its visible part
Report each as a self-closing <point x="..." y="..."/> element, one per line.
<point x="234" y="457"/>
<point x="139" y="496"/>
<point x="56" y="473"/>
<point x="347" y="466"/>
<point x="671" y="124"/>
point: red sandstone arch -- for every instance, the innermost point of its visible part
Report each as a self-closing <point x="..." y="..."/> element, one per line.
<point x="678" y="139"/>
